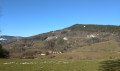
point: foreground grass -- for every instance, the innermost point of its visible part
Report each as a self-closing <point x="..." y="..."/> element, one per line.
<point x="48" y="65"/>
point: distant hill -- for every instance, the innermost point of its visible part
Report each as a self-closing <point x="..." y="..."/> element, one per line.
<point x="5" y="38"/>
<point x="9" y="37"/>
<point x="62" y="41"/>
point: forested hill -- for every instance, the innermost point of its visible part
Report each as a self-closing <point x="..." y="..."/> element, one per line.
<point x="62" y="41"/>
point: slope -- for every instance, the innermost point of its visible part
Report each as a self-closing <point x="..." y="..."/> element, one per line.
<point x="62" y="41"/>
<point x="103" y="50"/>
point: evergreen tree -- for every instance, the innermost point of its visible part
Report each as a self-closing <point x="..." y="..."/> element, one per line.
<point x="3" y="53"/>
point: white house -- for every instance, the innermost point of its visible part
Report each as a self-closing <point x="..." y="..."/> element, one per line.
<point x="42" y="54"/>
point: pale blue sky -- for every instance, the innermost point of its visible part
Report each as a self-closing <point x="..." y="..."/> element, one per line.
<point x="32" y="17"/>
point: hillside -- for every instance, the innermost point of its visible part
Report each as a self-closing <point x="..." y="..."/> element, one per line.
<point x="103" y="50"/>
<point x="94" y="28"/>
<point x="62" y="41"/>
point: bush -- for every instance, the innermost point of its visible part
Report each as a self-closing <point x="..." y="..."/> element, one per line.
<point x="47" y="53"/>
<point x="93" y="40"/>
<point x="31" y="52"/>
<point x="3" y="53"/>
<point x="110" y="65"/>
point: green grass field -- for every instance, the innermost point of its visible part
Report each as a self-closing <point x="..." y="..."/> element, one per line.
<point x="87" y="58"/>
<point x="48" y="65"/>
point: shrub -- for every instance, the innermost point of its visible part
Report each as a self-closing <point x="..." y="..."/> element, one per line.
<point x="31" y="53"/>
<point x="47" y="53"/>
<point x="110" y="65"/>
<point x="3" y="53"/>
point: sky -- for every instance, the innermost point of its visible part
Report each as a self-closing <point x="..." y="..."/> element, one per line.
<point x="31" y="17"/>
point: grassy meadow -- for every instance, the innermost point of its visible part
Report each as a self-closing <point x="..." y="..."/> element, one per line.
<point x="86" y="58"/>
<point x="48" y="65"/>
